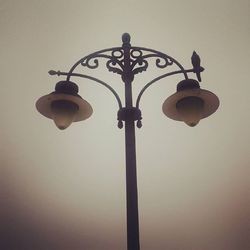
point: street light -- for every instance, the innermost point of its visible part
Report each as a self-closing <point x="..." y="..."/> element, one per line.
<point x="189" y="104"/>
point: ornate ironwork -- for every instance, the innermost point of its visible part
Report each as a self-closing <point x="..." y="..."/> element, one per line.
<point x="138" y="60"/>
<point x="127" y="61"/>
<point x="113" y="64"/>
<point x="162" y="60"/>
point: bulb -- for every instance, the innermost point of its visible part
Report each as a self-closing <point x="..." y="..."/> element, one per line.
<point x="64" y="113"/>
<point x="191" y="109"/>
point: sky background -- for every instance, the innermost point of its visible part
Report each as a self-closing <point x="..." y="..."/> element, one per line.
<point x="65" y="190"/>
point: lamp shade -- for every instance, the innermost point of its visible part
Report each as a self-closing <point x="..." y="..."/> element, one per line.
<point x="190" y="103"/>
<point x="64" y="105"/>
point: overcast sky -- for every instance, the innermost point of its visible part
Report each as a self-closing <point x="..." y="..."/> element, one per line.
<point x="65" y="190"/>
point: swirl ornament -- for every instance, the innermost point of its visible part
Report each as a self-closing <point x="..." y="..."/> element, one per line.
<point x="90" y="63"/>
<point x="136" y="53"/>
<point x="117" y="53"/>
<point x="143" y="66"/>
<point x="114" y="60"/>
<point x="166" y="62"/>
<point x="139" y="58"/>
<point x="112" y="68"/>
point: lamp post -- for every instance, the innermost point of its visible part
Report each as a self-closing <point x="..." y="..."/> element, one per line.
<point x="189" y="104"/>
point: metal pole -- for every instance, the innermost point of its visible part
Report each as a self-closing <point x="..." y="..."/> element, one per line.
<point x="131" y="188"/>
<point x="131" y="177"/>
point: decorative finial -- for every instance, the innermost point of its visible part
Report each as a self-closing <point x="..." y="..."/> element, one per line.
<point x="53" y="73"/>
<point x="126" y="38"/>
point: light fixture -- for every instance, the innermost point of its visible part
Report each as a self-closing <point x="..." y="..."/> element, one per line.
<point x="64" y="105"/>
<point x="189" y="104"/>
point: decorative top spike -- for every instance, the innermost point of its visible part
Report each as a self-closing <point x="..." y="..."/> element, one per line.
<point x="126" y="38"/>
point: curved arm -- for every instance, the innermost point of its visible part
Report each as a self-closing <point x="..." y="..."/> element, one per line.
<point x="157" y="79"/>
<point x="69" y="74"/>
<point x="89" y="56"/>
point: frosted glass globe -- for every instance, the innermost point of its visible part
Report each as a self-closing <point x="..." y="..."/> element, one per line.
<point x="64" y="113"/>
<point x="190" y="109"/>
